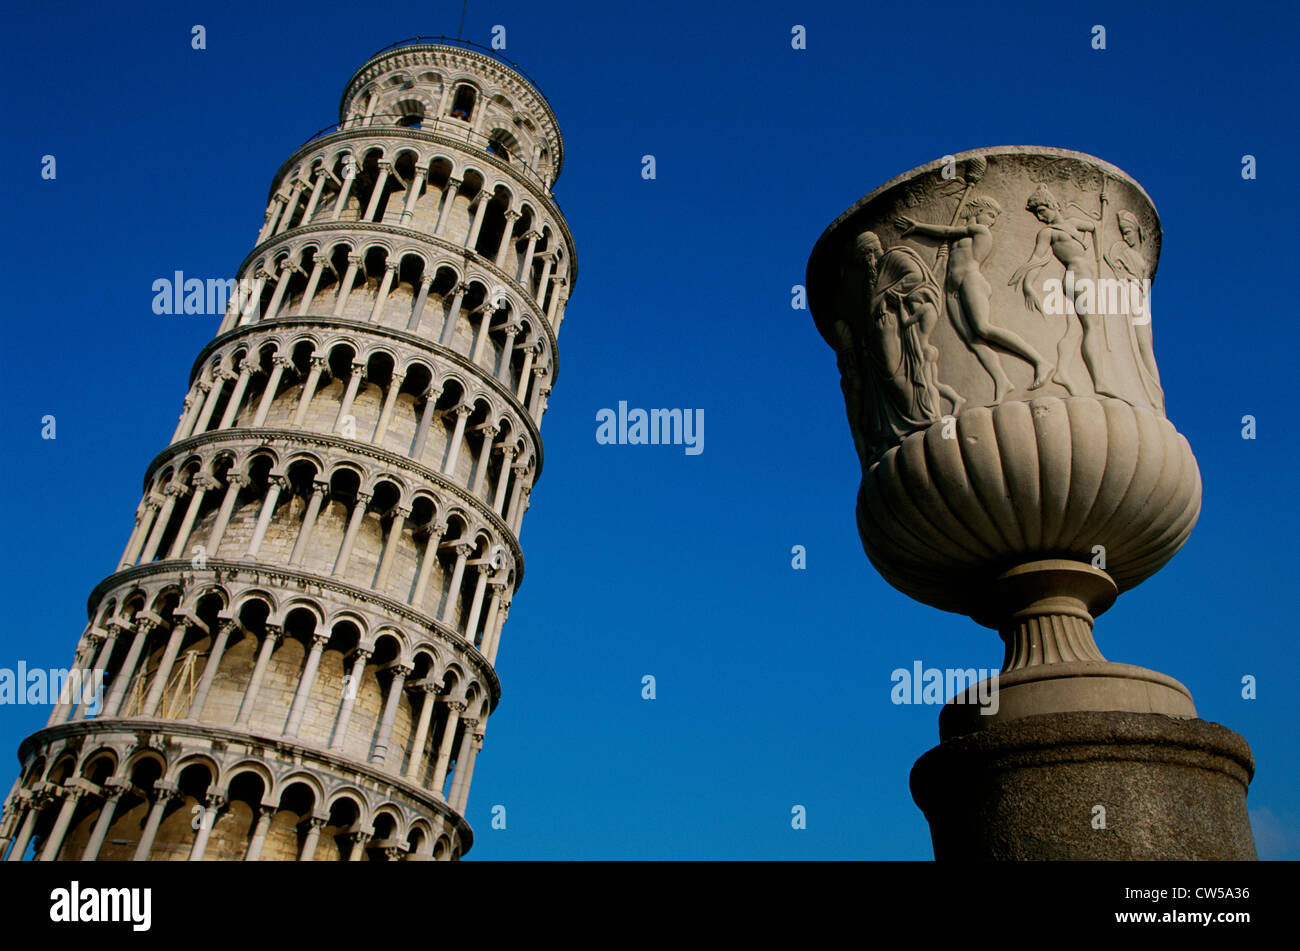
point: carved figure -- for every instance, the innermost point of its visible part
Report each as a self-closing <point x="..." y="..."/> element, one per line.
<point x="1063" y="238"/>
<point x="967" y="293"/>
<point x="1127" y="262"/>
<point x="901" y="384"/>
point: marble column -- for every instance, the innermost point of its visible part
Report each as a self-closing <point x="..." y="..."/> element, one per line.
<point x="143" y="626"/>
<point x="264" y="815"/>
<point x="463" y="413"/>
<point x="113" y="790"/>
<point x="269" y="640"/>
<point x="482" y="200"/>
<point x="355" y="379"/>
<point x="312" y="839"/>
<point x="350" y="535"/>
<point x="413" y="194"/>
<point x="212" y="804"/>
<point x="444" y="211"/>
<point x="452" y="316"/>
<point x="400" y="515"/>
<point x="173" y="491"/>
<point x="318" y="365"/>
<point x="454" y="709"/>
<point x="430" y="695"/>
<point x="159" y="683"/>
<point x="395" y="687"/>
<point x="305" y="683"/>
<point x="345" y="285"/>
<point x="435" y="533"/>
<point x="54" y="841"/>
<point x="314" y="200"/>
<point x="345" y="190"/>
<point x="377" y="193"/>
<point x="489" y="433"/>
<point x="235" y="482"/>
<point x="390" y="401"/>
<point x="385" y="287"/>
<point x="426" y="420"/>
<point x="278" y="365"/>
<point x="164" y="793"/>
<point x="275" y="485"/>
<point x="202" y="484"/>
<point x="462" y="550"/>
<point x="417" y="309"/>
<point x="465" y="772"/>
<point x="224" y="630"/>
<point x="507" y="237"/>
<point x="341" y="724"/>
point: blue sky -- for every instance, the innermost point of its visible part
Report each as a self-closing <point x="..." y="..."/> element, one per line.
<point x="773" y="685"/>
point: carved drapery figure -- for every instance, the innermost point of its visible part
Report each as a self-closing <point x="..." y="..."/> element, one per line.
<point x="1128" y="264"/>
<point x="899" y="380"/>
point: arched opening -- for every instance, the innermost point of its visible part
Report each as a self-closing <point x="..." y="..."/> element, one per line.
<point x="232" y="832"/>
<point x="339" y="834"/>
<point x="132" y="811"/>
<point x="462" y="103"/>
<point x="290" y="824"/>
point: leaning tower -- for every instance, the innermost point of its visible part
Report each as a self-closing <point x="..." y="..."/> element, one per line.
<point x="297" y="644"/>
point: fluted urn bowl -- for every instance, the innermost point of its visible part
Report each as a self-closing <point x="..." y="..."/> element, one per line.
<point x="1092" y="480"/>
<point x="991" y="316"/>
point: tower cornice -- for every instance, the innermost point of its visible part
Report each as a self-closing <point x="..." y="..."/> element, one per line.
<point x="469" y="256"/>
<point x="281" y="437"/>
<point x="343" y="765"/>
<point x="260" y="573"/>
<point x="417" y="342"/>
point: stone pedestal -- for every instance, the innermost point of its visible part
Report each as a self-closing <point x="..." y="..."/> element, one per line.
<point x="1088" y="786"/>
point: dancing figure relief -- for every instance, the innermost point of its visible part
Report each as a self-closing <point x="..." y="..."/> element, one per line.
<point x="1063" y="238"/>
<point x="968" y="294"/>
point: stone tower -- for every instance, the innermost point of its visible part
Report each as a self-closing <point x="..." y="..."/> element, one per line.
<point x="297" y="645"/>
